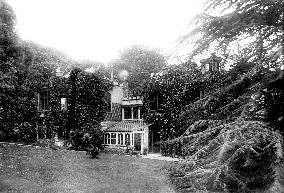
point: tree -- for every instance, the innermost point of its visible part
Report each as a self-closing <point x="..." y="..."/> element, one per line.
<point x="91" y="106"/>
<point x="140" y="62"/>
<point x="9" y="50"/>
<point x="227" y="23"/>
<point x="72" y="121"/>
<point x="86" y="105"/>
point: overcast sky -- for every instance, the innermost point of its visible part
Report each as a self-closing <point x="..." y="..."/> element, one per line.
<point x="98" y="29"/>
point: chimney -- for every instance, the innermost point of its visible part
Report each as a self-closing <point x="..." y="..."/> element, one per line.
<point x="125" y="89"/>
<point x="111" y="74"/>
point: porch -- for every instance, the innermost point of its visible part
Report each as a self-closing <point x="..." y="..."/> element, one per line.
<point x="125" y="134"/>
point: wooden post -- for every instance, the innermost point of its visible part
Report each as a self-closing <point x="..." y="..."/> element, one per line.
<point x="152" y="141"/>
<point x="123" y="141"/>
<point x="139" y="113"/>
<point x="142" y="140"/>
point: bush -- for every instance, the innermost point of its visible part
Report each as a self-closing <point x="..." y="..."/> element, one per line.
<point x="26" y="133"/>
<point x="173" y="147"/>
<point x="145" y="151"/>
<point x="89" y="139"/>
<point x="119" y="151"/>
<point x="192" y="139"/>
<point x="236" y="157"/>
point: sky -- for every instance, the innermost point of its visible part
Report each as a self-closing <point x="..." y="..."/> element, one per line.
<point x="97" y="30"/>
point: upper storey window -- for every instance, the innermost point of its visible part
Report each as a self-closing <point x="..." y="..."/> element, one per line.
<point x="132" y="112"/>
<point x="43" y="101"/>
<point x="155" y="102"/>
<point x="127" y="113"/>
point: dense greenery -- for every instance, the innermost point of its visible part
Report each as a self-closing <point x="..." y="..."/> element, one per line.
<point x="231" y="137"/>
<point x="240" y="156"/>
<point x="86" y="100"/>
<point x="88" y="139"/>
<point x="176" y="87"/>
<point x="224" y="24"/>
<point x="16" y="100"/>
<point x="26" y="70"/>
<point x="140" y="62"/>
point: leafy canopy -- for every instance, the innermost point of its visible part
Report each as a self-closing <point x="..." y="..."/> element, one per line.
<point x="256" y="24"/>
<point x="140" y="62"/>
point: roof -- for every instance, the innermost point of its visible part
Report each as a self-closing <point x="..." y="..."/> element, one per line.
<point x="127" y="125"/>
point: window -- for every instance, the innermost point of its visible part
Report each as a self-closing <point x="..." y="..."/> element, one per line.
<point x="155" y="102"/>
<point x="63" y="102"/>
<point x="132" y="112"/>
<point x="141" y="112"/>
<point x="120" y="138"/>
<point x="127" y="112"/>
<point x="135" y="113"/>
<point x="107" y="138"/>
<point x="44" y="101"/>
<point x="113" y="138"/>
<point x="127" y="139"/>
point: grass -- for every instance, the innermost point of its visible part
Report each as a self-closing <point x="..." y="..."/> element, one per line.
<point x="30" y="169"/>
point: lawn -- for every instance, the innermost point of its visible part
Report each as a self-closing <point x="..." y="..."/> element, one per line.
<point x="30" y="169"/>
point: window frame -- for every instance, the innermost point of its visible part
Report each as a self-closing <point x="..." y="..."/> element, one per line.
<point x="113" y="137"/>
<point x="127" y="139"/>
<point x="107" y="138"/>
<point x="44" y="100"/>
<point x="120" y="139"/>
<point x="130" y="111"/>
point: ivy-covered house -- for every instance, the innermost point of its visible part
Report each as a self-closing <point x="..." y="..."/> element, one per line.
<point x="123" y="125"/>
<point x="51" y="102"/>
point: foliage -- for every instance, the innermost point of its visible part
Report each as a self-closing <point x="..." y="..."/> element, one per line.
<point x="89" y="139"/>
<point x="140" y="62"/>
<point x="86" y="100"/>
<point x="91" y="106"/>
<point x="273" y="103"/>
<point x="26" y="132"/>
<point x="177" y="87"/>
<point x="228" y="23"/>
<point x="72" y="98"/>
<point x="177" y="172"/>
<point x="235" y="157"/>
<point x="16" y="100"/>
<point x="26" y="68"/>
<point x="191" y="141"/>
<point x="229" y="103"/>
<point x="46" y="60"/>
<point x="173" y="147"/>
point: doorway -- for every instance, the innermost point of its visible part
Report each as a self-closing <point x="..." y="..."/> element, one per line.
<point x="137" y="141"/>
<point x="154" y="139"/>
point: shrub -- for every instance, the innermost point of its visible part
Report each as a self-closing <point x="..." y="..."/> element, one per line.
<point x="26" y="132"/>
<point x="90" y="139"/>
<point x="173" y="147"/>
<point x="145" y="151"/>
<point x="119" y="151"/>
<point x="235" y="157"/>
<point x="187" y="144"/>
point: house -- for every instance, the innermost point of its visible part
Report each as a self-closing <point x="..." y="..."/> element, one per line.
<point x="123" y="125"/>
<point x="45" y="127"/>
<point x="211" y="64"/>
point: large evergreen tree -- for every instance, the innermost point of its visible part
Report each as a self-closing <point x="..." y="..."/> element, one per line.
<point x="256" y="24"/>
